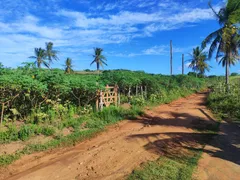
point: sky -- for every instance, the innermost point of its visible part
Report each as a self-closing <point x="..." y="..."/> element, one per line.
<point x="135" y="34"/>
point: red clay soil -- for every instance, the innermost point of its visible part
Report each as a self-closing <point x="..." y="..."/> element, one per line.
<point x="123" y="147"/>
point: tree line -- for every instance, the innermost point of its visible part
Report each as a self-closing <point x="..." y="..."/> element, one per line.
<point x="46" y="56"/>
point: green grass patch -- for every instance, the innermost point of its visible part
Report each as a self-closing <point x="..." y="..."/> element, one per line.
<point x="168" y="168"/>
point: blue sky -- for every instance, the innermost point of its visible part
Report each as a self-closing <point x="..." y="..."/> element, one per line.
<point x="134" y="34"/>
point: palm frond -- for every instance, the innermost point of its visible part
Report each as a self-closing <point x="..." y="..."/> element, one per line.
<point x="214" y="46"/>
<point x="210" y="38"/>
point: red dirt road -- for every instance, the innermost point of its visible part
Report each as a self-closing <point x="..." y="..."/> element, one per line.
<point x="115" y="153"/>
<point x="221" y="157"/>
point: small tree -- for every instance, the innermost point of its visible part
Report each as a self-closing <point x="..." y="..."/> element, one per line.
<point x="99" y="59"/>
<point x="40" y="56"/>
<point x="50" y="53"/>
<point x="45" y="56"/>
<point x="198" y="61"/>
<point x="68" y="66"/>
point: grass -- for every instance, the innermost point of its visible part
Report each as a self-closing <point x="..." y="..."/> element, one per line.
<point x="166" y="168"/>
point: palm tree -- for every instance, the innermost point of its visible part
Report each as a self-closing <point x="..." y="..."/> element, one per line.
<point x="227" y="16"/>
<point x="40" y="56"/>
<point x="51" y="54"/>
<point x="99" y="59"/>
<point x="198" y="61"/>
<point x="68" y="66"/>
<point x="229" y="49"/>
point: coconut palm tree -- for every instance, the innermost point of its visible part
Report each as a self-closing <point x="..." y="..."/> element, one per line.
<point x="227" y="16"/>
<point x="99" y="59"/>
<point x="198" y="61"/>
<point x="51" y="54"/>
<point x="68" y="66"/>
<point x="228" y="53"/>
<point x="40" y="56"/>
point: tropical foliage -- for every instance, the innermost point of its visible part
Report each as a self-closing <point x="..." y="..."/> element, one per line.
<point x="44" y="56"/>
<point x="99" y="58"/>
<point x="224" y="39"/>
<point x="50" y="52"/>
<point x="40" y="56"/>
<point x="68" y="66"/>
<point x="42" y="95"/>
<point x="226" y="104"/>
<point x="198" y="61"/>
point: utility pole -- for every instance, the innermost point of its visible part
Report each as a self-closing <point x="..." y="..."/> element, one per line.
<point x="182" y="64"/>
<point x="171" y="58"/>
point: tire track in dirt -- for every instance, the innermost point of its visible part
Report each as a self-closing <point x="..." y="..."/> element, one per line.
<point x="115" y="153"/>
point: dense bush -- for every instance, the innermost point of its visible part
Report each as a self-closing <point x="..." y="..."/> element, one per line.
<point x="42" y="99"/>
<point x="45" y="95"/>
<point x="224" y="103"/>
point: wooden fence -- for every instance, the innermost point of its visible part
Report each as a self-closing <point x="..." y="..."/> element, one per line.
<point x="107" y="97"/>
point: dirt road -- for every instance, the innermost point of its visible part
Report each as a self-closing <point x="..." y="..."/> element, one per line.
<point x="123" y="147"/>
<point x="221" y="157"/>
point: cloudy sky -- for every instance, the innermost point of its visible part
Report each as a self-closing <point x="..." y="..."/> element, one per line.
<point x="134" y="34"/>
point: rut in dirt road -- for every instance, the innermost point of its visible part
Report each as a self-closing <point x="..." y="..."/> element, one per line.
<point x="123" y="147"/>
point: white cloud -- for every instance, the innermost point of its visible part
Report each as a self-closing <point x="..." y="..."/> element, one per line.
<point x="69" y="29"/>
<point x="156" y="50"/>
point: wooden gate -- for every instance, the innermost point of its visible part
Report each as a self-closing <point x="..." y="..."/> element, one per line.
<point x="107" y="97"/>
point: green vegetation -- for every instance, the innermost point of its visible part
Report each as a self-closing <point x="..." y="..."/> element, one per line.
<point x="44" y="56"/>
<point x="48" y="97"/>
<point x="39" y="101"/>
<point x="226" y="39"/>
<point x="198" y="61"/>
<point x="226" y="104"/>
<point x="99" y="58"/>
<point x="178" y="168"/>
<point x="68" y="66"/>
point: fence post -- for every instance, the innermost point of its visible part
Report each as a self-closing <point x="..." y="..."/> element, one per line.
<point x="97" y="101"/>
<point x="116" y="95"/>
<point x="3" y="106"/>
<point x="101" y="101"/>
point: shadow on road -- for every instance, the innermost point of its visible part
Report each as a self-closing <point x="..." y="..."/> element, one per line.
<point x="172" y="144"/>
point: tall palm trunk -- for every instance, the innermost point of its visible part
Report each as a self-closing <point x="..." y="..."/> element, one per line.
<point x="227" y="71"/>
<point x="39" y="63"/>
<point x="98" y="66"/>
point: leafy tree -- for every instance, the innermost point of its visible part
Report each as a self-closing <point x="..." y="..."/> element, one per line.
<point x="50" y="53"/>
<point x="99" y="59"/>
<point x="40" y="56"/>
<point x="227" y="16"/>
<point x="198" y="61"/>
<point x="68" y="66"/>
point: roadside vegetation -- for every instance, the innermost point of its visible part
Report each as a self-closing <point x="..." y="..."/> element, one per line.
<point x="47" y="102"/>
<point x="226" y="104"/>
<point x="168" y="168"/>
